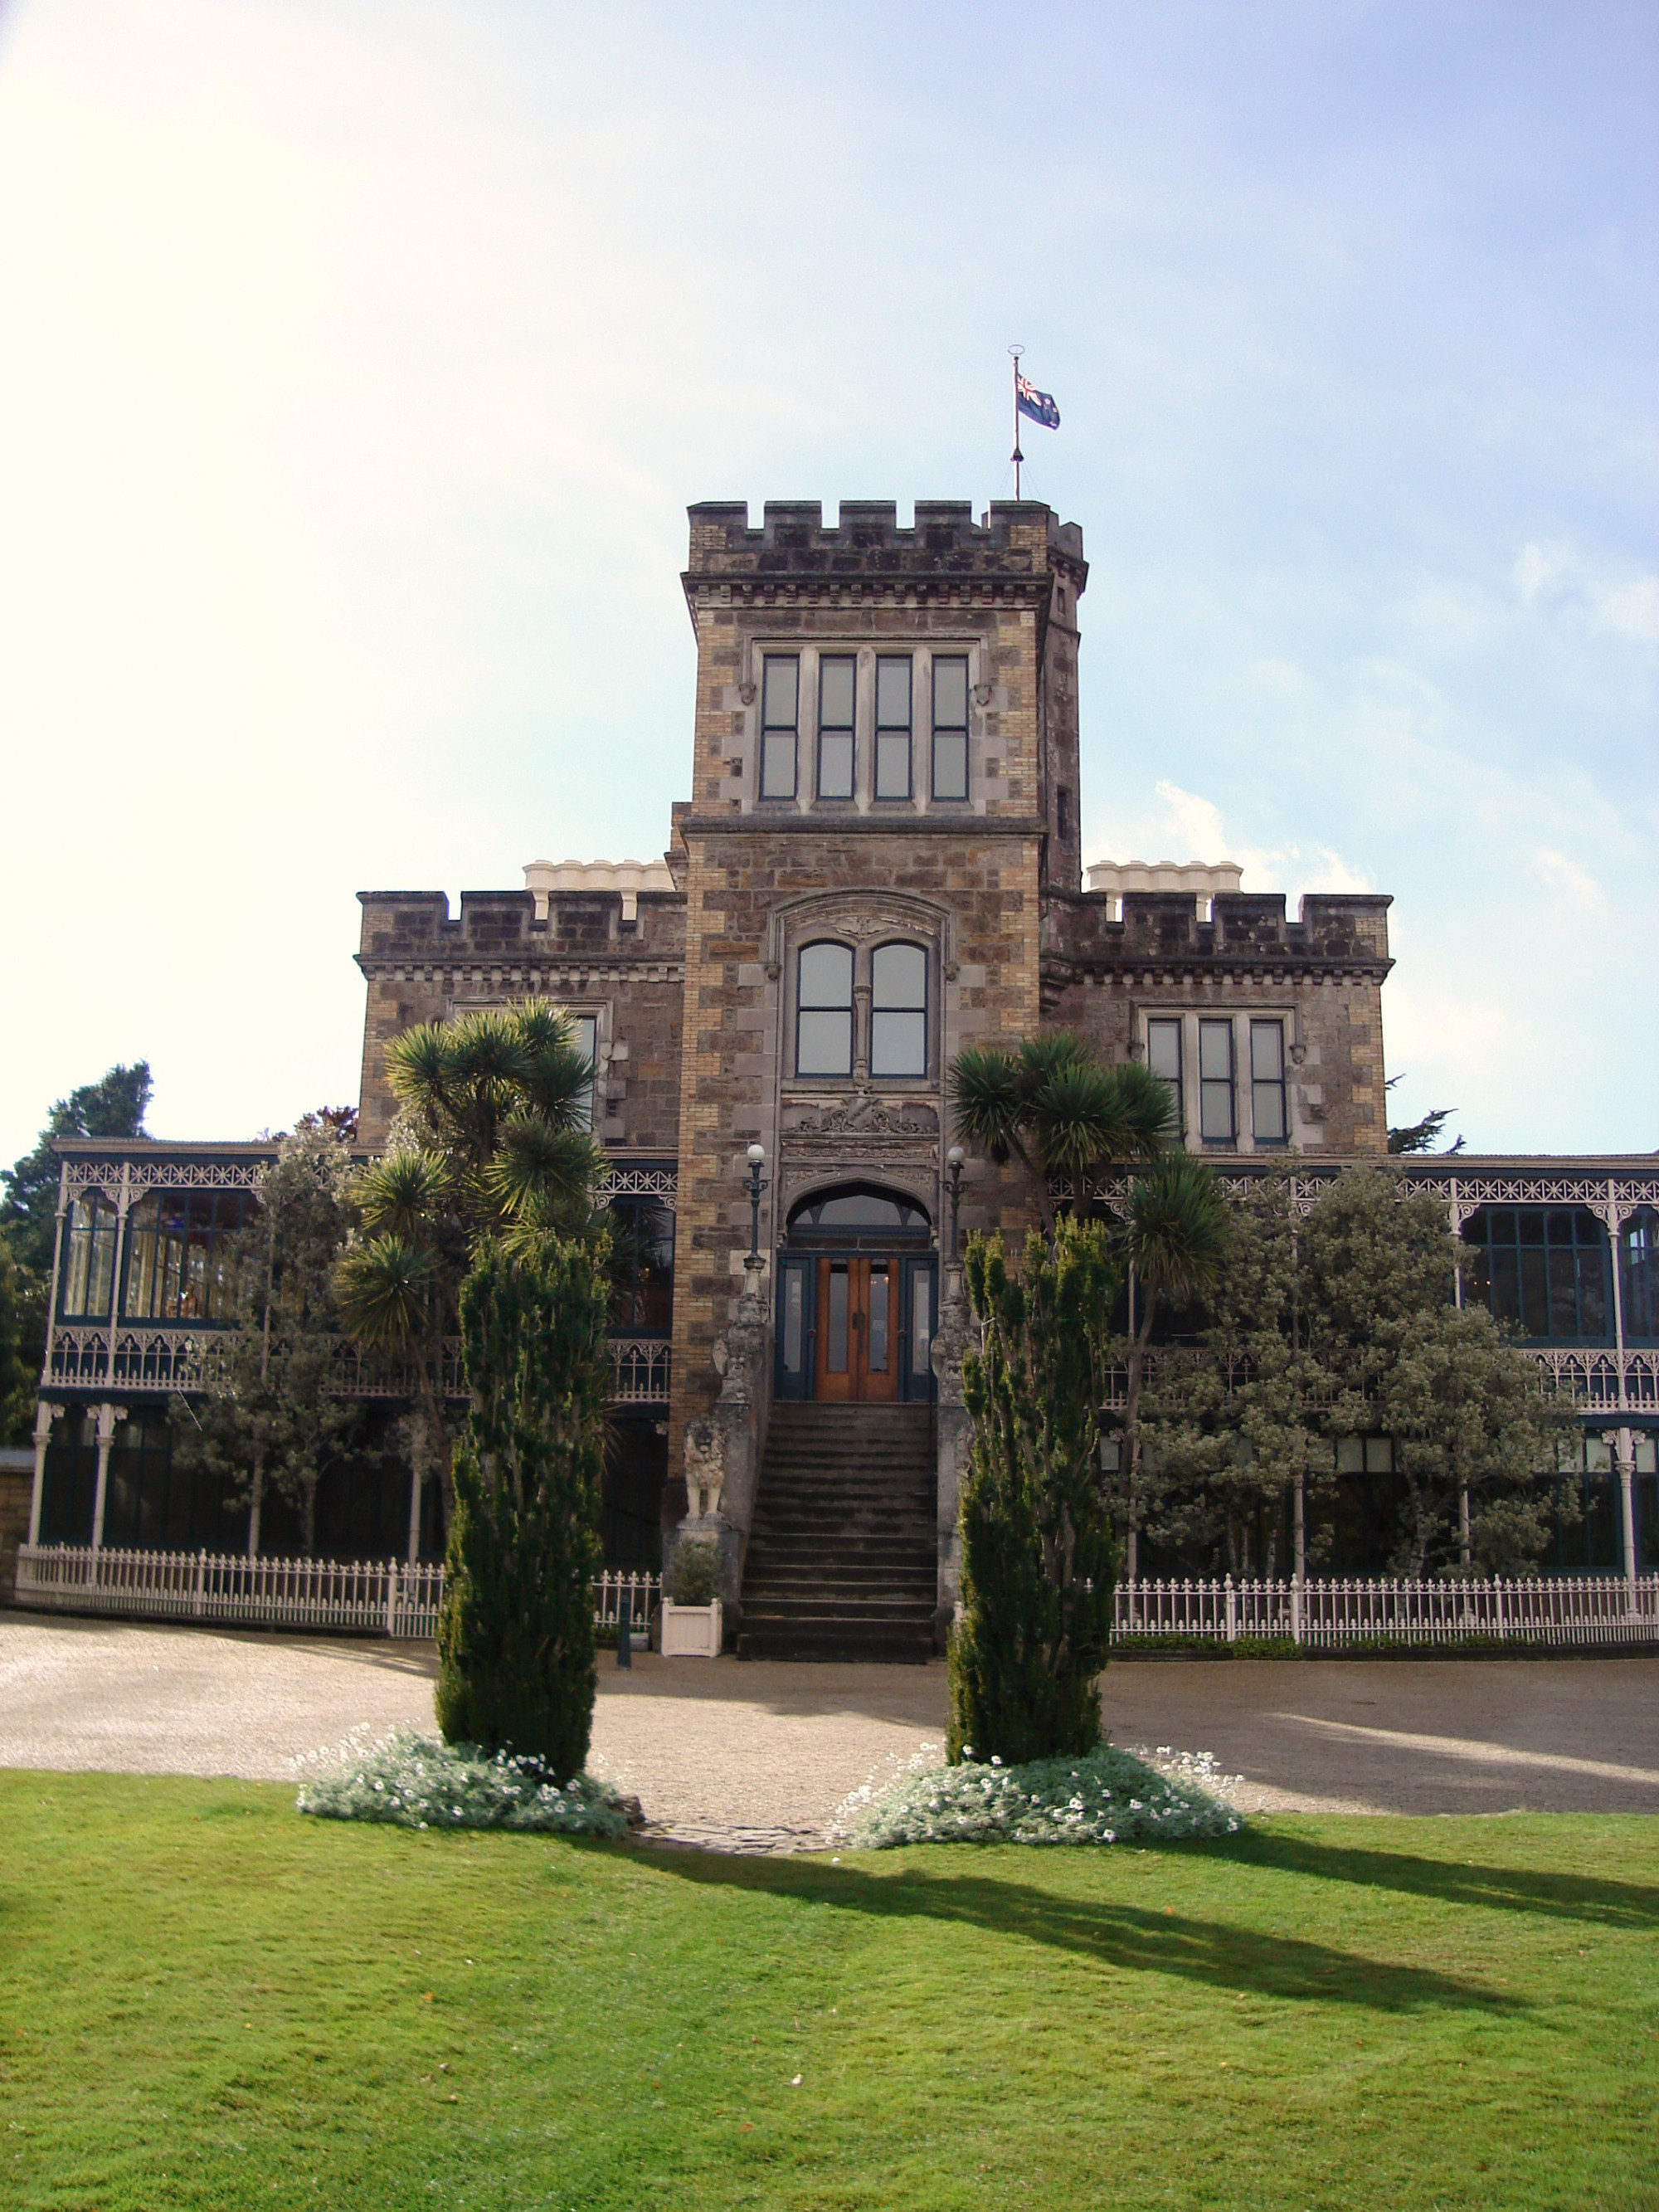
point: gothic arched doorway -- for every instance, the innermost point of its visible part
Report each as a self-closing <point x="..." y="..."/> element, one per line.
<point x="857" y="1286"/>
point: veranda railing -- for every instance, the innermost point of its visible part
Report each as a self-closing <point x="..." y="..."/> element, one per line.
<point x="1326" y="1612"/>
<point x="384" y="1597"/>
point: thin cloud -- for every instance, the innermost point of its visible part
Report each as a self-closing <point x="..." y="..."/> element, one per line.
<point x="1556" y="576"/>
<point x="1185" y="827"/>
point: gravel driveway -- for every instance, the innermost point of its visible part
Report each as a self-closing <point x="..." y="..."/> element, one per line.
<point x="762" y="1753"/>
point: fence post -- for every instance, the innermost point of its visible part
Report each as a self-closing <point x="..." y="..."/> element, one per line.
<point x="197" y="1581"/>
<point x="391" y="1598"/>
<point x="1296" y="1609"/>
<point x="1232" y="1612"/>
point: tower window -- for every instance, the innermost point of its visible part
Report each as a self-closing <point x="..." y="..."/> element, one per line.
<point x="823" y="1010"/>
<point x="835" y="674"/>
<point x="1215" y="1082"/>
<point x="893" y="727"/>
<point x="1163" y="1060"/>
<point x="779" y="720"/>
<point x="898" y="1010"/>
<point x="950" y="729"/>
<point x="1269" y="1120"/>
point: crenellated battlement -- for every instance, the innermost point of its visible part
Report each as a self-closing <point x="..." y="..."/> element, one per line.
<point x="1332" y="929"/>
<point x="401" y="927"/>
<point x="1014" y="540"/>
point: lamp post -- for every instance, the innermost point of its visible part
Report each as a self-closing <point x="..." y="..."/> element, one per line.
<point x="755" y="1186"/>
<point x="953" y="1160"/>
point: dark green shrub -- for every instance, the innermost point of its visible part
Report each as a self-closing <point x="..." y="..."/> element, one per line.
<point x="1038" y="1561"/>
<point x="516" y="1634"/>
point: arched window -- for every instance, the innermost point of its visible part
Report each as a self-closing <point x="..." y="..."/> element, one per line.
<point x="823" y="1010"/>
<point x="898" y="1010"/>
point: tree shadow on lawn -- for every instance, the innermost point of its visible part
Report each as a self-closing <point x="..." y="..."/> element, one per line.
<point x="1125" y="1936"/>
<point x="1509" y="1889"/>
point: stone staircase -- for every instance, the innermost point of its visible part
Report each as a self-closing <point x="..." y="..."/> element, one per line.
<point x="843" y="1559"/>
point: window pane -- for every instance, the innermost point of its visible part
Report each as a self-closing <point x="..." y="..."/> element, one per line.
<point x="950" y="694"/>
<point x="1351" y="1455"/>
<point x="1267" y="1051"/>
<point x="1267" y="1112"/>
<point x="826" y="1044"/>
<point x="826" y="976"/>
<point x="893" y="764"/>
<point x="793" y="1301"/>
<point x="835" y="1351"/>
<point x="1163" y="1049"/>
<point x="949" y="764"/>
<point x="782" y="683"/>
<point x="835" y="693"/>
<point x="898" y="975"/>
<point x="778" y="764"/>
<point x="898" y="1044"/>
<point x="836" y="764"/>
<point x="893" y="694"/>
<point x="878" y="1318"/>
<point x="1215" y="1051"/>
<point x="1216" y="1112"/>
<point x="1534" y="1293"/>
<point x="1593" y="1318"/>
<point x="921" y="1320"/>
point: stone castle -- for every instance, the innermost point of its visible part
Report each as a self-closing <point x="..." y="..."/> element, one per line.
<point x="880" y="863"/>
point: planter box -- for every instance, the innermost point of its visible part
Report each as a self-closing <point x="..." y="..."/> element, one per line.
<point x="691" y="1632"/>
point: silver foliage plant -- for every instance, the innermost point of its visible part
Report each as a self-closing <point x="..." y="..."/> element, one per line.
<point x="417" y="1781"/>
<point x="1108" y="1797"/>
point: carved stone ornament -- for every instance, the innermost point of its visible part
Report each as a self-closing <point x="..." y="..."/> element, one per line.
<point x="865" y="1115"/>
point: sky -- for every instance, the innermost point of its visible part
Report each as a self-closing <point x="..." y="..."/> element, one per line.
<point x="358" y="362"/>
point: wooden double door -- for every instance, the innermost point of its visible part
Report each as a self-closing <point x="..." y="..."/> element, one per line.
<point x="856" y="1327"/>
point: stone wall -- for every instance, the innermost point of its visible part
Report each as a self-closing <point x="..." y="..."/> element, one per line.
<point x="1323" y="973"/>
<point x="421" y="966"/>
<point x="16" y="1488"/>
<point x="751" y="895"/>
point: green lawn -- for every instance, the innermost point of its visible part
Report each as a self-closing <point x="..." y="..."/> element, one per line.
<point x="207" y="2000"/>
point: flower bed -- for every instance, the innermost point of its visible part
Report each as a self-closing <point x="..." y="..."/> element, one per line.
<point x="1109" y="1796"/>
<point x="421" y="1782"/>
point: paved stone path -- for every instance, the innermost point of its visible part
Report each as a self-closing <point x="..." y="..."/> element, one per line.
<point x="758" y="1757"/>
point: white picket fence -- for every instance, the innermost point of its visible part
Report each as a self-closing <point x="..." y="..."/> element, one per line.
<point x="376" y="1597"/>
<point x="1328" y="1612"/>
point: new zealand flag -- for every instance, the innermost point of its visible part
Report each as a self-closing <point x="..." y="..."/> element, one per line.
<point x="1037" y="406"/>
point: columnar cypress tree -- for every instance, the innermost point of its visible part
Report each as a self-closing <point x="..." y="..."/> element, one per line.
<point x="1038" y="1563"/>
<point x="515" y="1635"/>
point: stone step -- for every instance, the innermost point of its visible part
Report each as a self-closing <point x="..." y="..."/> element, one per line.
<point x="842" y="1560"/>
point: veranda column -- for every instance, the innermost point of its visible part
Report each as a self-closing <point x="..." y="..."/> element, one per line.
<point x="1624" y="1449"/>
<point x="108" y="1417"/>
<point x="44" y="1415"/>
<point x="1624" y="1444"/>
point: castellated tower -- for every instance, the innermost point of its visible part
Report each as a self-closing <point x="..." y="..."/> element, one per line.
<point x="885" y="779"/>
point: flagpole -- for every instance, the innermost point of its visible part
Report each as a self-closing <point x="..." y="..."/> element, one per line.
<point x="1017" y="456"/>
